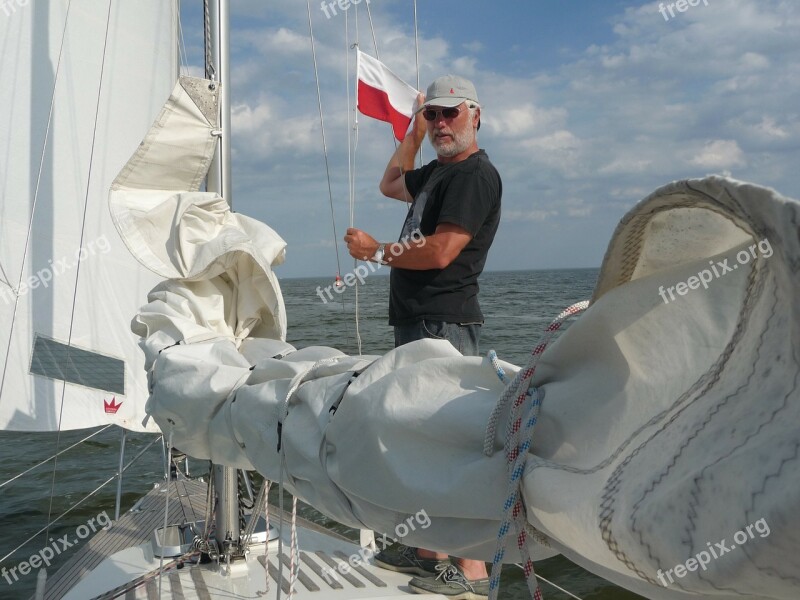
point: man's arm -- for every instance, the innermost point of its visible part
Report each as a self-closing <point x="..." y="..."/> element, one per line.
<point x="393" y="183"/>
<point x="435" y="251"/>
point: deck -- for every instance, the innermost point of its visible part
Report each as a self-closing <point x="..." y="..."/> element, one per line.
<point x="323" y="571"/>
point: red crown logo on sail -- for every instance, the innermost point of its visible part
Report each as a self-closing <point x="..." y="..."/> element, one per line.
<point x="111" y="407"/>
<point x="452" y="91"/>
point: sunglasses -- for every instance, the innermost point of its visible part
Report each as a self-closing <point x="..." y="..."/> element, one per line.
<point x="448" y="113"/>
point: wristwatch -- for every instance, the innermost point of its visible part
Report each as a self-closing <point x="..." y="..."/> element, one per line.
<point x="379" y="254"/>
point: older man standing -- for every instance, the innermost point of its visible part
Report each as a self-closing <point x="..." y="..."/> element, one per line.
<point x="435" y="267"/>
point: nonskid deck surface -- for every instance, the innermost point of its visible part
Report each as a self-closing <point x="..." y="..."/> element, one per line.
<point x="119" y="563"/>
<point x="135" y="527"/>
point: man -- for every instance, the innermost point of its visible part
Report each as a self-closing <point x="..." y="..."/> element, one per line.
<point x="434" y="279"/>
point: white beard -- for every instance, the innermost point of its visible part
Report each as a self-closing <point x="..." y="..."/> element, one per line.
<point x="460" y="141"/>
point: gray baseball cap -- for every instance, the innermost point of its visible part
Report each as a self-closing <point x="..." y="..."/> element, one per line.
<point x="450" y="90"/>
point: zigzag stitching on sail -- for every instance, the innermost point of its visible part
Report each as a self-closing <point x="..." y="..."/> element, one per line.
<point x="693" y="390"/>
<point x="702" y="426"/>
<point x="637" y="224"/>
<point x="696" y="490"/>
<point x="756" y="280"/>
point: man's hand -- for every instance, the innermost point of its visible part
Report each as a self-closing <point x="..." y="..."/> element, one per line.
<point x="360" y="244"/>
<point x="392" y="184"/>
<point x="420" y="128"/>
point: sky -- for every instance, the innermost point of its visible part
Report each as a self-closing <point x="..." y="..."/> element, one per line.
<point x="587" y="108"/>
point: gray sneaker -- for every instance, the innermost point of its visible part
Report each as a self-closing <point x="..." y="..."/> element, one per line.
<point x="452" y="583"/>
<point x="404" y="559"/>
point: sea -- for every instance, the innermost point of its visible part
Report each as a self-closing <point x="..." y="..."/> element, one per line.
<point x="517" y="306"/>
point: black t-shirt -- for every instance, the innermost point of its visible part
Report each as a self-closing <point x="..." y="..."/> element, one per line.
<point x="467" y="194"/>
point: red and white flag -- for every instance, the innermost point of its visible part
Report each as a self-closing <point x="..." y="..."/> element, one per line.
<point x="383" y="95"/>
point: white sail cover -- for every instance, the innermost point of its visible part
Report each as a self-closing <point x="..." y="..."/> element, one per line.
<point x="82" y="82"/>
<point x="669" y="421"/>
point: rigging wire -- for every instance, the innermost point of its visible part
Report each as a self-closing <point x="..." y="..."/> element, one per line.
<point x="46" y="460"/>
<point x="416" y="53"/>
<point x="558" y="587"/>
<point x="352" y="146"/>
<point x="183" y="55"/>
<point x="211" y="72"/>
<point x="81" y="501"/>
<point x="372" y="29"/>
<point x="35" y="198"/>
<point x="78" y="268"/>
<point x="324" y="143"/>
<point x="378" y="57"/>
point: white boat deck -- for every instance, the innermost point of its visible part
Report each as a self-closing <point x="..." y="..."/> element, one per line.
<point x="119" y="562"/>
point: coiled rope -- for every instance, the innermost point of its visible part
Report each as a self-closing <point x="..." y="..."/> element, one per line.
<point x="519" y="434"/>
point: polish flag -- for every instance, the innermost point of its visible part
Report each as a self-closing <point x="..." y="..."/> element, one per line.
<point x="383" y="95"/>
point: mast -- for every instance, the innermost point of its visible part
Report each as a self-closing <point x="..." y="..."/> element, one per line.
<point x="219" y="175"/>
<point x="219" y="181"/>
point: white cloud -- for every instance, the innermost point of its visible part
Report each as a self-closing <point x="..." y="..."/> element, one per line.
<point x="601" y="122"/>
<point x="769" y="127"/>
<point x="473" y="47"/>
<point x="558" y="150"/>
<point x="528" y="215"/>
<point x="523" y="119"/>
<point x="719" y="154"/>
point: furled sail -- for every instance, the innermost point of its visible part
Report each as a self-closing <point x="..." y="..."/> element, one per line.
<point x="215" y="258"/>
<point x="669" y="416"/>
<point x="82" y="82"/>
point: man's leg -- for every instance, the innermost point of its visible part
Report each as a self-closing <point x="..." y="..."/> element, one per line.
<point x="465" y="338"/>
<point x="403" y="334"/>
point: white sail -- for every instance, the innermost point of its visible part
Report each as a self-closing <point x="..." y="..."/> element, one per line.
<point x="68" y="286"/>
<point x="667" y="430"/>
<point x="667" y="427"/>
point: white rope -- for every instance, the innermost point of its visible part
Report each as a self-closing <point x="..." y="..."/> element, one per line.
<point x="266" y="541"/>
<point x="293" y="550"/>
<point x="294" y="385"/>
<point x="166" y="507"/>
<point x="352" y="146"/>
<point x="510" y="390"/>
<point x="518" y="441"/>
<point x="324" y="143"/>
<point x="281" y="458"/>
